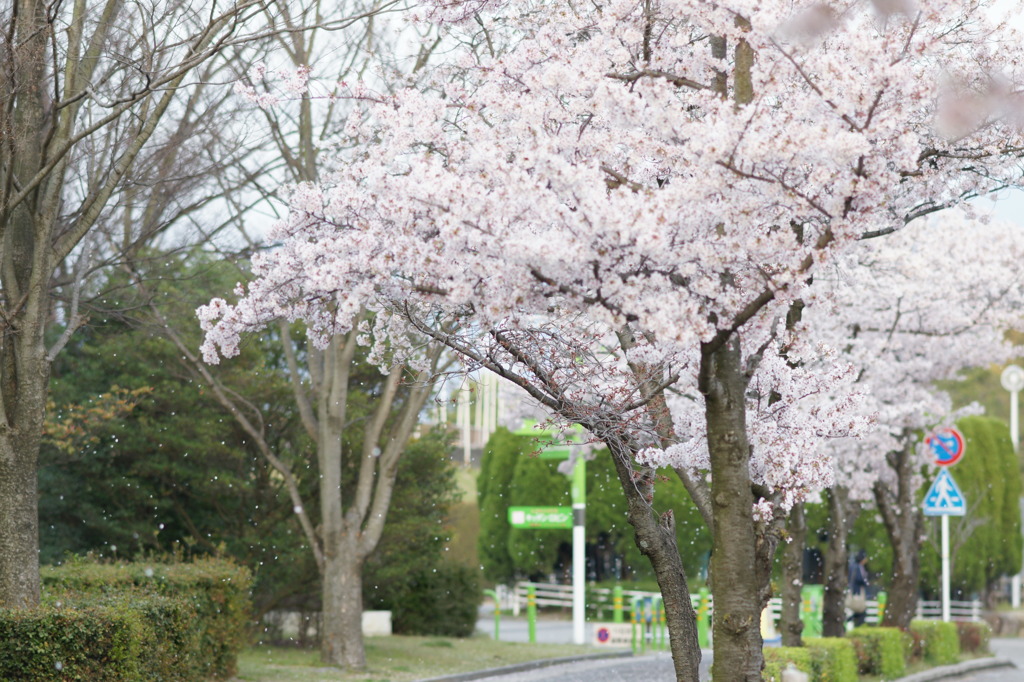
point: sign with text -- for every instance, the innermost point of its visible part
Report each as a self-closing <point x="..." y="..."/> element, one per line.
<point x="540" y="517"/>
<point x="613" y="634"/>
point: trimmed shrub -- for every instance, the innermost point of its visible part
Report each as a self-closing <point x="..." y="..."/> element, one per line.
<point x="941" y="643"/>
<point x="123" y="637"/>
<point x="442" y="602"/>
<point x="883" y="650"/>
<point x="974" y="637"/>
<point x="833" y="659"/>
<point x="776" y="659"/>
<point x="217" y="591"/>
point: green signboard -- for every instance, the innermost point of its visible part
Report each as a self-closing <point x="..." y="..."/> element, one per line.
<point x="540" y="517"/>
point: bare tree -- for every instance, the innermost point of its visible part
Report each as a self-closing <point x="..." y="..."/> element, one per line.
<point x="296" y="128"/>
<point x="101" y="105"/>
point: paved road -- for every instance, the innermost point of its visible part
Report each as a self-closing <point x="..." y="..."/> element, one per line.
<point x="1012" y="649"/>
<point x="647" y="668"/>
<point x="658" y="666"/>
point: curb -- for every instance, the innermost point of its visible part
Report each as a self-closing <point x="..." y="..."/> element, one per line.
<point x="952" y="672"/>
<point x="524" y="667"/>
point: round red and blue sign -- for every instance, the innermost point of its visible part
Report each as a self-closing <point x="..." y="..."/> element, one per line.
<point x="946" y="445"/>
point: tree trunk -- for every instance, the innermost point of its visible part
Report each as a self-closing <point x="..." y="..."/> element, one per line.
<point x="834" y="610"/>
<point x="903" y="520"/>
<point x="901" y="602"/>
<point x="793" y="578"/>
<point x="19" y="524"/>
<point x="736" y="580"/>
<point x="656" y="538"/>
<point x="341" y="629"/>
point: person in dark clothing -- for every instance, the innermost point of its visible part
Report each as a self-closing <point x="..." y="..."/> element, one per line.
<point x="857" y="601"/>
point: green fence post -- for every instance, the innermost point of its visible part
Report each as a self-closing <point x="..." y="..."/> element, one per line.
<point x="703" y="619"/>
<point x="617" y="604"/>
<point x="659" y="615"/>
<point x="531" y="612"/>
<point x="812" y="602"/>
<point x="634" y="621"/>
<point x="497" y="611"/>
<point x="882" y="599"/>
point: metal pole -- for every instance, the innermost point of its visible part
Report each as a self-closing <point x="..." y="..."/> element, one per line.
<point x="579" y="558"/>
<point x="465" y="426"/>
<point x="1014" y="424"/>
<point x="531" y="613"/>
<point x="1015" y="436"/>
<point x="945" y="568"/>
<point x="1012" y="379"/>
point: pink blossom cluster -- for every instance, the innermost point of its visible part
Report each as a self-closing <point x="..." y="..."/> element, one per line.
<point x="596" y="175"/>
<point x="913" y="310"/>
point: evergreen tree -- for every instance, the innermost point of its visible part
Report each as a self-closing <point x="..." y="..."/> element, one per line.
<point x="501" y="452"/>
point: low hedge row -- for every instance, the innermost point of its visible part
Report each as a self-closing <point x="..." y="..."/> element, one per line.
<point x="940" y="642"/>
<point x="120" y="637"/>
<point x="881" y="651"/>
<point x="825" y="659"/>
<point x="174" y="622"/>
<point x="878" y="651"/>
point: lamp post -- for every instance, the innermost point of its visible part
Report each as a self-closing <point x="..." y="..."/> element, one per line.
<point x="1012" y="380"/>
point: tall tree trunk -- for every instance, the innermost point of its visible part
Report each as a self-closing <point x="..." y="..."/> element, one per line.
<point x="903" y="520"/>
<point x="341" y="629"/>
<point x="793" y="578"/>
<point x="901" y="602"/>
<point x="656" y="539"/>
<point x="735" y="575"/>
<point x="834" y="611"/>
<point x="19" y="524"/>
<point x="25" y="270"/>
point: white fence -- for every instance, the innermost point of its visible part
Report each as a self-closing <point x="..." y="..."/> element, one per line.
<point x="550" y="594"/>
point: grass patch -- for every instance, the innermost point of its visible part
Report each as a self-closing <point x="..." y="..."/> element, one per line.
<point x="396" y="659"/>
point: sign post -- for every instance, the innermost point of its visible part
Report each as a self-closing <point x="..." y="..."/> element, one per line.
<point x="565" y="517"/>
<point x="1012" y="380"/>
<point x="944" y="497"/>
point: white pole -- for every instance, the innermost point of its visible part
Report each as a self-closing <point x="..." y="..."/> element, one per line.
<point x="1015" y="436"/>
<point x="1012" y="379"/>
<point x="945" y="568"/>
<point x="478" y="397"/>
<point x="464" y="424"/>
<point x="579" y="574"/>
<point x="579" y="543"/>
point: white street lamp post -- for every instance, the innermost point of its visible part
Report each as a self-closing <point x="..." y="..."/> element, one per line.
<point x="1012" y="380"/>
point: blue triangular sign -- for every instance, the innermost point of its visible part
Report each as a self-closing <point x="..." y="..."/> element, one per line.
<point x="944" y="497"/>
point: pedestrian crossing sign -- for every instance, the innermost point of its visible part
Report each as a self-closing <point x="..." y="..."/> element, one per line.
<point x="944" y="497"/>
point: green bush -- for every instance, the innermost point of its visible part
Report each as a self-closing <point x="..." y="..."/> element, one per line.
<point x="776" y="659"/>
<point x="127" y="637"/>
<point x="974" y="637"/>
<point x="884" y="650"/>
<point x="833" y="659"/>
<point x="217" y="591"/>
<point x="442" y="602"/>
<point x="941" y="642"/>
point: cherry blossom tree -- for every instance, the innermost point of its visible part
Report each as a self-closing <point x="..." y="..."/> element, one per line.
<point x="624" y="213"/>
<point x="909" y="311"/>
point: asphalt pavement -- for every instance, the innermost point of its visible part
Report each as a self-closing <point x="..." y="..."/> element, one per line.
<point x="657" y="666"/>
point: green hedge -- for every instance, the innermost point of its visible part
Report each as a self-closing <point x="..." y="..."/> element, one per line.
<point x="131" y="636"/>
<point x="776" y="659"/>
<point x="833" y="659"/>
<point x="881" y="651"/>
<point x="941" y="643"/>
<point x="443" y="601"/>
<point x="205" y="609"/>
